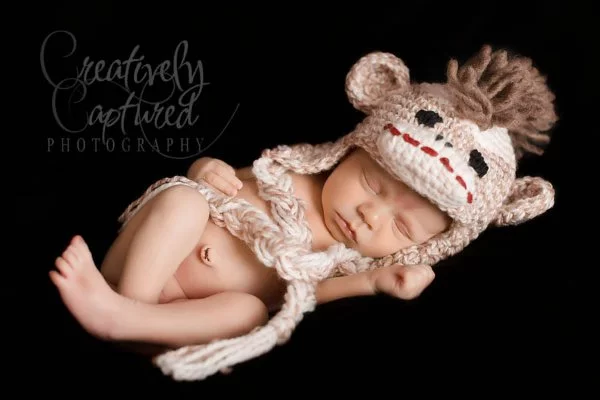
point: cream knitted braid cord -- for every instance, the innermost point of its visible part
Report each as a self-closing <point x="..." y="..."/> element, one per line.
<point x="282" y="242"/>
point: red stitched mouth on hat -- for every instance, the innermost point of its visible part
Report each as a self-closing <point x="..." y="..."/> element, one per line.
<point x="431" y="152"/>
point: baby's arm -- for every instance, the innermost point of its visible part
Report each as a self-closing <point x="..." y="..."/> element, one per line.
<point x="401" y="281"/>
<point x="204" y="164"/>
<point x="359" y="284"/>
<point x="217" y="173"/>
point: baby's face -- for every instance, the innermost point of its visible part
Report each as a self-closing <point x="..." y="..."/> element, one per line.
<point x="384" y="214"/>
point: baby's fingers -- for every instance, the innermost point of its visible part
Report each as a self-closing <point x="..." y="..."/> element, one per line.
<point x="226" y="166"/>
<point x="228" y="184"/>
<point x="423" y="272"/>
<point x="421" y="268"/>
<point x="228" y="173"/>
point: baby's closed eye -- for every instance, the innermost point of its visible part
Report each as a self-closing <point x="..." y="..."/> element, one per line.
<point x="372" y="183"/>
<point x="402" y="228"/>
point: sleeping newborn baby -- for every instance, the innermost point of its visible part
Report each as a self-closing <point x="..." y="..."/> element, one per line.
<point x="169" y="251"/>
<point x="202" y="261"/>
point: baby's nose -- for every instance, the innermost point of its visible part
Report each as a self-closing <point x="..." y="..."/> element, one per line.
<point x="371" y="214"/>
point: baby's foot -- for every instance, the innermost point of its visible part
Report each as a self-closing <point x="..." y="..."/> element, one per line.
<point x="84" y="291"/>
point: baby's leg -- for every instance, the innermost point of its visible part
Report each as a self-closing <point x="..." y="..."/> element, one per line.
<point x="155" y="241"/>
<point x="111" y="316"/>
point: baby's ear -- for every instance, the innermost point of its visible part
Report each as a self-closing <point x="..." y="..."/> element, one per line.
<point x="372" y="77"/>
<point x="529" y="197"/>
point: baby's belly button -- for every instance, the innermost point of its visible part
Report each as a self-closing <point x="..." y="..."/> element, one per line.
<point x="231" y="265"/>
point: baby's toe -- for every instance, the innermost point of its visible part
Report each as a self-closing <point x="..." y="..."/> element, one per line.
<point x="63" y="266"/>
<point x="57" y="278"/>
<point x="70" y="255"/>
<point x="82" y="244"/>
<point x="81" y="248"/>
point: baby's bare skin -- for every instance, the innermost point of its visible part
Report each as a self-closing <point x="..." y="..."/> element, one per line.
<point x="220" y="261"/>
<point x="179" y="279"/>
<point x="222" y="293"/>
<point x="232" y="266"/>
<point x="108" y="315"/>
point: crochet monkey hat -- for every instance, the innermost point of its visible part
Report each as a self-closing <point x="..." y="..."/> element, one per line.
<point x="456" y="143"/>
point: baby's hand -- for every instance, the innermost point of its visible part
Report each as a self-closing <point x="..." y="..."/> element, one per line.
<point x="403" y="281"/>
<point x="218" y="174"/>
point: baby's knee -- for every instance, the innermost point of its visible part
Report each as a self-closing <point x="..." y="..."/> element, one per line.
<point x="184" y="201"/>
<point x="256" y="311"/>
<point x="247" y="311"/>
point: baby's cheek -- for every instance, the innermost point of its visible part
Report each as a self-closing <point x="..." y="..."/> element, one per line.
<point x="378" y="247"/>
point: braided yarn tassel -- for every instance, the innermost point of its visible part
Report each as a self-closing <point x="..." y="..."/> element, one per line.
<point x="200" y="361"/>
<point x="282" y="241"/>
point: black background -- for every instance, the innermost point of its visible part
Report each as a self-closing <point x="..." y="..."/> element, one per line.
<point x="505" y="312"/>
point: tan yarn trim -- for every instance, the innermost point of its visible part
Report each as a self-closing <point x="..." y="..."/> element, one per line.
<point x="493" y="89"/>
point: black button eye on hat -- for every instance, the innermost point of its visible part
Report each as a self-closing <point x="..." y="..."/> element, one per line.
<point x="477" y="162"/>
<point x="428" y="118"/>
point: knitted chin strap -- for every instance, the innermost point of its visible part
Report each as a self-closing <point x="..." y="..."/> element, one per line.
<point x="282" y="242"/>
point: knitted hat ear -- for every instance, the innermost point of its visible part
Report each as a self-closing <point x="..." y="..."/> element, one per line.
<point x="372" y="77"/>
<point x="529" y="197"/>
